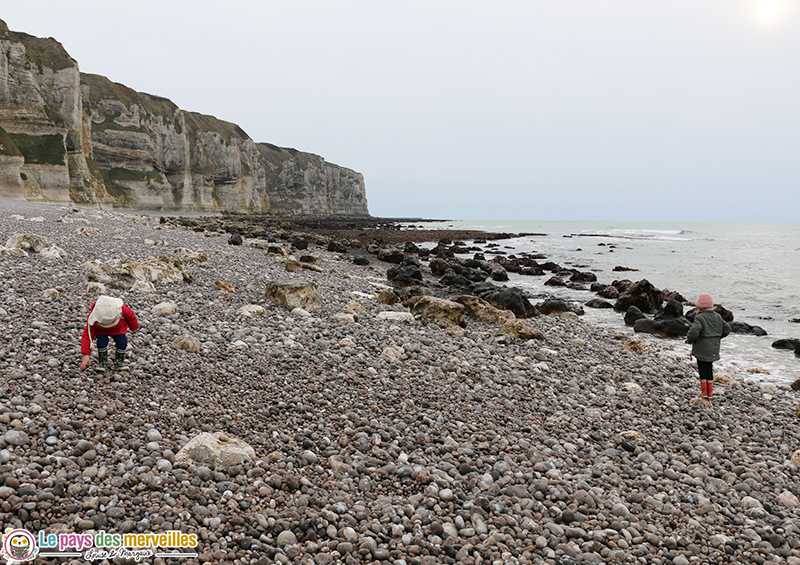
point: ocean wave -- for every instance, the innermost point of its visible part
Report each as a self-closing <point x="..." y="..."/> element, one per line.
<point x="638" y="235"/>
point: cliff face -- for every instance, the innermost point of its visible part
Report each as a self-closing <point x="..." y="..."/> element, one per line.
<point x="68" y="137"/>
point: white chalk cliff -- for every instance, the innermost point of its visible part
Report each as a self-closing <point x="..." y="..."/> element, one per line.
<point x="68" y="137"/>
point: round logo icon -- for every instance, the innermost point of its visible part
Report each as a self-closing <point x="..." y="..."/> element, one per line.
<point x="19" y="545"/>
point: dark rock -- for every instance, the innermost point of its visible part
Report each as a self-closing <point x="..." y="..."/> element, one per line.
<point x="597" y="303"/>
<point x="535" y="271"/>
<point x="299" y="243"/>
<point x="673" y="309"/>
<point x="474" y="275"/>
<point x="643" y="295"/>
<point x="673" y="327"/>
<point x="450" y="278"/>
<point x="676" y="327"/>
<point x="789" y="343"/>
<point x="597" y="287"/>
<point x="726" y="314"/>
<point x="632" y="315"/>
<point x="336" y="247"/>
<point x="577" y="276"/>
<point x="552" y="267"/>
<point x="439" y="266"/>
<point x="404" y="274"/>
<point x="620" y="268"/>
<point x="622" y="285"/>
<point x="610" y="292"/>
<point x="747" y="329"/>
<point x="411" y="247"/>
<point x="498" y="272"/>
<point x="672" y="295"/>
<point x="275" y="249"/>
<point x="555" y="281"/>
<point x="552" y="306"/>
<point x="235" y="239"/>
<point x="647" y="326"/>
<point x="558" y="306"/>
<point x="360" y="260"/>
<point x="391" y="255"/>
<point x="512" y="299"/>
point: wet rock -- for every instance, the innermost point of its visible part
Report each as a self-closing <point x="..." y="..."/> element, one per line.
<point x="641" y="294"/>
<point x="336" y="247"/>
<point x="747" y="329"/>
<point x="512" y="299"/>
<point x="558" y="306"/>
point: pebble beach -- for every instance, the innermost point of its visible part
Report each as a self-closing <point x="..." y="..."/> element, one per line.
<point x="376" y="438"/>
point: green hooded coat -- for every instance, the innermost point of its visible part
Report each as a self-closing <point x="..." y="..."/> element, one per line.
<point x="705" y="334"/>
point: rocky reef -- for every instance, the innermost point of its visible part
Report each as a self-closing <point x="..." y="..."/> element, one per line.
<point x="70" y="137"/>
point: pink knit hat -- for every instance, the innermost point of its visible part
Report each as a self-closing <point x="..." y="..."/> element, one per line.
<point x="704" y="302"/>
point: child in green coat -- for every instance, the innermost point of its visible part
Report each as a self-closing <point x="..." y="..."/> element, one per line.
<point x="705" y="335"/>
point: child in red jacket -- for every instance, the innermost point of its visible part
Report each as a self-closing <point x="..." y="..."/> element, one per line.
<point x="108" y="318"/>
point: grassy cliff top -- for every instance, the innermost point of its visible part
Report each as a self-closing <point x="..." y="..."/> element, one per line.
<point x="204" y="122"/>
<point x="43" y="52"/>
<point x="101" y="88"/>
<point x="276" y="155"/>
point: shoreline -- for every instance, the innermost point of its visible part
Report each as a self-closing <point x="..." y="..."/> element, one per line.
<point x="391" y="232"/>
<point x="376" y="439"/>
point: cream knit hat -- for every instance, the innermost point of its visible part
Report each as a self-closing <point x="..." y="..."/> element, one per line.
<point x="107" y="312"/>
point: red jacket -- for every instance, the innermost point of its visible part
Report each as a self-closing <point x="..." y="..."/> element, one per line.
<point x="128" y="320"/>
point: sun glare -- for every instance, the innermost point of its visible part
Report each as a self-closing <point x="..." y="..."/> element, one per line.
<point x="768" y="10"/>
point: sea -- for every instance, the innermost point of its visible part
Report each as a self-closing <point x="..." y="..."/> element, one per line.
<point x="752" y="269"/>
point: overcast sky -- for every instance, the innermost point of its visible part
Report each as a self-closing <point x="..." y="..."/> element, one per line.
<point x="560" y="109"/>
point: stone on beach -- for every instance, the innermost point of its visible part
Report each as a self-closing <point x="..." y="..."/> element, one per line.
<point x="294" y="293"/>
<point x="124" y="273"/>
<point x="217" y="449"/>
<point x="164" y="309"/>
<point x="187" y="343"/>
<point x="439" y="311"/>
<point x="482" y="311"/>
<point x="250" y="310"/>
